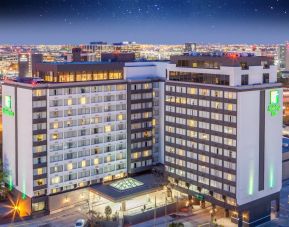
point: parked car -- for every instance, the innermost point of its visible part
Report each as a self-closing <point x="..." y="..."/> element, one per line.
<point x="80" y="223"/>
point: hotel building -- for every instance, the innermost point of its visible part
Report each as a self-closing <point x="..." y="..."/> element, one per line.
<point x="223" y="123"/>
<point x="72" y="130"/>
<point x="214" y="122"/>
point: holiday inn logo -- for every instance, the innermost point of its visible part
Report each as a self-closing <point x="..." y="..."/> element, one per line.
<point x="274" y="106"/>
<point x="7" y="109"/>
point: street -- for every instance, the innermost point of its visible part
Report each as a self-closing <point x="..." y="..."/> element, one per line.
<point x="199" y="218"/>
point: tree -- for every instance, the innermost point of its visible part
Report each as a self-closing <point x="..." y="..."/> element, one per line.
<point x="93" y="217"/>
<point x="107" y="212"/>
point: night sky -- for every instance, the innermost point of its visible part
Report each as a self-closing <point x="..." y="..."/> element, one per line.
<point x="144" y="21"/>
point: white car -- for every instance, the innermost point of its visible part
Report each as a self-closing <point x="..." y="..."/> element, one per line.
<point x="80" y="223"/>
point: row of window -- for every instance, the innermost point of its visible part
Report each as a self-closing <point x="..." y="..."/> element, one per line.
<point x="83" y="100"/>
<point x="203" y="125"/>
<point x="195" y="188"/>
<point x="202" y="136"/>
<point x="144" y="154"/>
<point x="144" y="105"/>
<point x="203" y="147"/>
<point x="194" y="123"/>
<point x="82" y="90"/>
<point x="201" y="91"/>
<point x="89" y="110"/>
<point x="201" y="168"/>
<point x="204" y="180"/>
<point x="148" y="95"/>
<point x="143" y="86"/>
<point x="94" y="150"/>
<point x="201" y="102"/>
<point x="83" y="163"/>
<point x="139" y="164"/>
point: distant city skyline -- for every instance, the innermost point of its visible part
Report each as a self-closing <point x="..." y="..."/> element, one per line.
<point x="156" y="22"/>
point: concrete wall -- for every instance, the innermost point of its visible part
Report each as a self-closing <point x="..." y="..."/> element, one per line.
<point x="9" y="138"/>
<point x="248" y="147"/>
<point x="25" y="159"/>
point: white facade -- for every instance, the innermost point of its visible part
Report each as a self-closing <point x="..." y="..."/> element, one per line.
<point x="248" y="120"/>
<point x="18" y="155"/>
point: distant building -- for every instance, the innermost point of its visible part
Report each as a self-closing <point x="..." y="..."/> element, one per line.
<point x="283" y="56"/>
<point x="27" y="62"/>
<point x="117" y="57"/>
<point x="76" y="54"/>
<point x="190" y="47"/>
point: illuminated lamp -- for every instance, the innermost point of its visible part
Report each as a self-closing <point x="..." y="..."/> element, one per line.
<point x="34" y="83"/>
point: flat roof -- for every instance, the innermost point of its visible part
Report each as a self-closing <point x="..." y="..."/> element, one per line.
<point x="127" y="188"/>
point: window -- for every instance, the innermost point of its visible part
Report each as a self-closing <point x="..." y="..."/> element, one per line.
<point x="245" y="79"/>
<point x="266" y="79"/>
<point x="83" y="100"/>
<point x="38" y="206"/>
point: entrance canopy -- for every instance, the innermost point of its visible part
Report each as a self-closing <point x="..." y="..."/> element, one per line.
<point x="128" y="188"/>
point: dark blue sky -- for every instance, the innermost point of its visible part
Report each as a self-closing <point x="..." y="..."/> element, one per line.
<point x="144" y="21"/>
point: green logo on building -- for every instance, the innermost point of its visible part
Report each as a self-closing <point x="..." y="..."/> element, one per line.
<point x="274" y="106"/>
<point x="7" y="108"/>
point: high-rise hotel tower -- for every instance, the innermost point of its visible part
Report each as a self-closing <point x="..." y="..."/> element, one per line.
<point x="223" y="120"/>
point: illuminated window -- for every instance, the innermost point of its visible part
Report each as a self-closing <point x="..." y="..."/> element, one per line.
<point x="69" y="102"/>
<point x="96" y="161"/>
<point x="146" y="153"/>
<point x="38" y="206"/>
<point x="146" y="86"/>
<point x="69" y="166"/>
<point x="230" y="107"/>
<point x="135" y="155"/>
<point x="107" y="128"/>
<point x="39" y="92"/>
<point x="40" y="182"/>
<point x="40" y="138"/>
<point x="55" y="180"/>
<point x="39" y="171"/>
<point x="55" y="136"/>
<point x="108" y="158"/>
<point x="120" y="117"/>
<point x="82" y="100"/>
<point x="195" y="65"/>
<point x="55" y="125"/>
<point x="154" y="122"/>
<point x="83" y="163"/>
<point x="192" y="123"/>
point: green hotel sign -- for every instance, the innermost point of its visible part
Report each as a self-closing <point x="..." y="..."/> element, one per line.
<point x="274" y="106"/>
<point x="7" y="108"/>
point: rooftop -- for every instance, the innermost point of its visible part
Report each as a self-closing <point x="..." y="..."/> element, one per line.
<point x="233" y="60"/>
<point x="128" y="187"/>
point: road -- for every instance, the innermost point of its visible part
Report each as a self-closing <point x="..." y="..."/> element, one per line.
<point x="199" y="217"/>
<point x="65" y="218"/>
